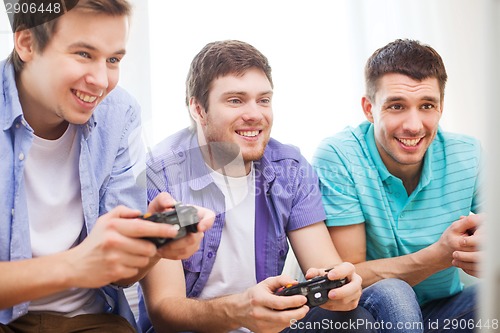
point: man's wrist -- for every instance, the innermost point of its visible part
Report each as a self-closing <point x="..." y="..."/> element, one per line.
<point x="230" y="307"/>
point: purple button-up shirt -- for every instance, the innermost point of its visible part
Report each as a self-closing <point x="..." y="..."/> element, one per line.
<point x="287" y="198"/>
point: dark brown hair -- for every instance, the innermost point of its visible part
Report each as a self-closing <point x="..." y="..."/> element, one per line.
<point x="219" y="59"/>
<point x="407" y="57"/>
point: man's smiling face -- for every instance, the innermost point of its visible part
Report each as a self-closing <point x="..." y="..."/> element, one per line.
<point x="76" y="70"/>
<point x="405" y="115"/>
<point x="240" y="112"/>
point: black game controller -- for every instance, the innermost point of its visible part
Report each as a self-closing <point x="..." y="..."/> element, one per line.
<point x="183" y="216"/>
<point x="316" y="289"/>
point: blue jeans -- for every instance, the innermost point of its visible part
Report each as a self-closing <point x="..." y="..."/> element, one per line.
<point x="320" y="320"/>
<point x="394" y="306"/>
<point x="452" y="314"/>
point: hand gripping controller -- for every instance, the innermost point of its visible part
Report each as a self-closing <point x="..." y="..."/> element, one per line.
<point x="316" y="289"/>
<point x="184" y="217"/>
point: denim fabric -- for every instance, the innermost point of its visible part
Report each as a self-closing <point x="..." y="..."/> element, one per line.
<point x="112" y="159"/>
<point x="320" y="320"/>
<point x="453" y="314"/>
<point x="394" y="306"/>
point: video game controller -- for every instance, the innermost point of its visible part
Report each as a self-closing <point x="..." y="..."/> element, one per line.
<point x="316" y="289"/>
<point x="183" y="216"/>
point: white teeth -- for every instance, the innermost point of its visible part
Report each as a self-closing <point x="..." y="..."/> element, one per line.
<point x="84" y="97"/>
<point x="248" y="133"/>
<point x="410" y="142"/>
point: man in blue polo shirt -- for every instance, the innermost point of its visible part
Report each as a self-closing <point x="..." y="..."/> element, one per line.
<point x="263" y="193"/>
<point x="398" y="193"/>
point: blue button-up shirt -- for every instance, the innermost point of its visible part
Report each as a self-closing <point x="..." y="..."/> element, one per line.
<point x="111" y="157"/>
<point x="287" y="198"/>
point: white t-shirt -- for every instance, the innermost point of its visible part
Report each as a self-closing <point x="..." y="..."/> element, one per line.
<point x="53" y="192"/>
<point x="234" y="267"/>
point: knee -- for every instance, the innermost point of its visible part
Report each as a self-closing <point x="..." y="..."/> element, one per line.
<point x="355" y="321"/>
<point x="390" y="292"/>
<point x="392" y="288"/>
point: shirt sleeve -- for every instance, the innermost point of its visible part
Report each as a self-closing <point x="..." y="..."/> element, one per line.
<point x="127" y="181"/>
<point x="337" y="186"/>
<point x="307" y="207"/>
<point x="478" y="201"/>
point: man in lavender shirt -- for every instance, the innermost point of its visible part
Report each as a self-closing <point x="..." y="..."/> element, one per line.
<point x="264" y="194"/>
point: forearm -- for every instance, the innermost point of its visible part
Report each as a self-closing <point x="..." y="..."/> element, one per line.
<point x="176" y="314"/>
<point x="412" y="268"/>
<point x="31" y="279"/>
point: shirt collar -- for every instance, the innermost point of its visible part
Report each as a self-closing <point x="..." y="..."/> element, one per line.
<point x="265" y="167"/>
<point x="426" y="175"/>
<point x="375" y="155"/>
<point x="200" y="176"/>
<point x="186" y="154"/>
<point x="10" y="98"/>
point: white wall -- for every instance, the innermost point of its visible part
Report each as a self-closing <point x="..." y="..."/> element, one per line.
<point x="318" y="50"/>
<point x="5" y="33"/>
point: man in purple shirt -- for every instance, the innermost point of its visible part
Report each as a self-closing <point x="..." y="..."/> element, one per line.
<point x="264" y="194"/>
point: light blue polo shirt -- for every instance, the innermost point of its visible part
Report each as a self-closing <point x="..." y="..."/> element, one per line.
<point x="357" y="188"/>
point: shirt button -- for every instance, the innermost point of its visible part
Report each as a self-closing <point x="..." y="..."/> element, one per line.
<point x="180" y="154"/>
<point x="402" y="215"/>
<point x="21" y="156"/>
<point x="12" y="212"/>
<point x="17" y="125"/>
<point x="210" y="254"/>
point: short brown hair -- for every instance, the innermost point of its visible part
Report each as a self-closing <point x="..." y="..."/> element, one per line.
<point x="218" y="59"/>
<point x="407" y="57"/>
<point x="43" y="24"/>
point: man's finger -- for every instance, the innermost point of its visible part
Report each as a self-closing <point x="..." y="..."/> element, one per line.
<point x="161" y="202"/>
